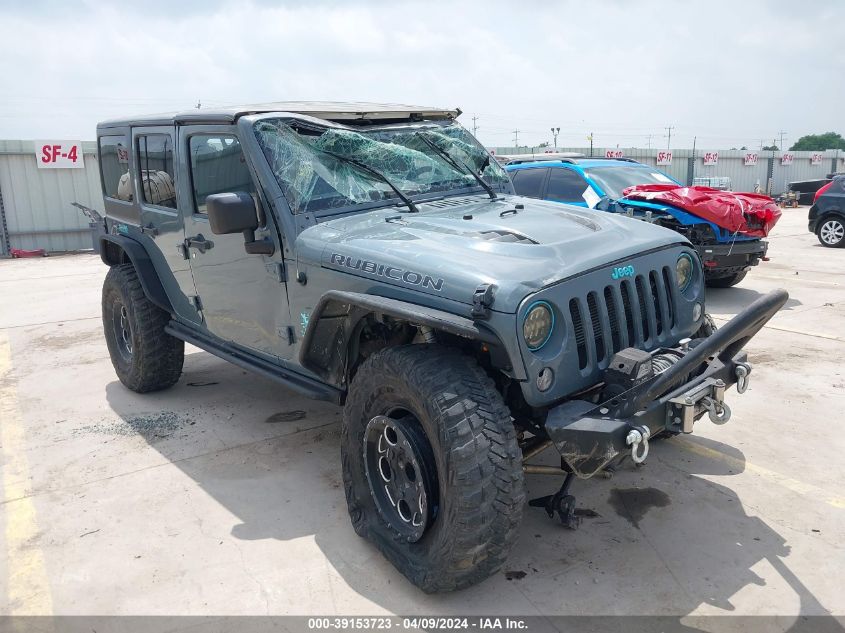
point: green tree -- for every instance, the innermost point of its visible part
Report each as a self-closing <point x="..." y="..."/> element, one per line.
<point x="770" y="148"/>
<point x="819" y="142"/>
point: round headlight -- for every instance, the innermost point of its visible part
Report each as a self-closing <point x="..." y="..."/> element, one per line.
<point x="538" y="325"/>
<point x="683" y="271"/>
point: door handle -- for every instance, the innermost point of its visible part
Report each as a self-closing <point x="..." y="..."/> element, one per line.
<point x="198" y="242"/>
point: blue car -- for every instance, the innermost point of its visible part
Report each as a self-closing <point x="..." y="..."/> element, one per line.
<point x="598" y="183"/>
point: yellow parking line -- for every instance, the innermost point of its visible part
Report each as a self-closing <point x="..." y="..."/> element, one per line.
<point x="799" y="487"/>
<point x="28" y="589"/>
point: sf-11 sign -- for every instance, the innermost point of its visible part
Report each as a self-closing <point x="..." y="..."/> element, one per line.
<point x="664" y="157"/>
<point x="816" y="158"/>
<point x="751" y="158"/>
<point x="786" y="158"/>
<point x="59" y="154"/>
<point x="711" y="158"/>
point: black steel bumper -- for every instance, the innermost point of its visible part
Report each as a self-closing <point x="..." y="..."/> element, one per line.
<point x="590" y="436"/>
<point x="721" y="259"/>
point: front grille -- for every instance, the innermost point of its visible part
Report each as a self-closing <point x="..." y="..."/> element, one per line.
<point x="638" y="312"/>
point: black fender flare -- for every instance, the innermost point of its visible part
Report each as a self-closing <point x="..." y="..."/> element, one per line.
<point x="335" y="319"/>
<point x="137" y="255"/>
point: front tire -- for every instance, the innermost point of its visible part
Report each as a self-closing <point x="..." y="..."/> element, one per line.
<point x="144" y="356"/>
<point x="831" y="232"/>
<point x="727" y="282"/>
<point x="449" y="422"/>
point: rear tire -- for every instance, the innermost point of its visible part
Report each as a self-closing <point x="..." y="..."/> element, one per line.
<point x="727" y="282"/>
<point x="476" y="495"/>
<point x="831" y="232"/>
<point x="144" y="356"/>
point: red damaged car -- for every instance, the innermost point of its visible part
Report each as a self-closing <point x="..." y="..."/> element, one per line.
<point x="725" y="227"/>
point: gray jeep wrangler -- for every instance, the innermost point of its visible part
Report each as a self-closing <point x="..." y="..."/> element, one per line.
<point x="376" y="257"/>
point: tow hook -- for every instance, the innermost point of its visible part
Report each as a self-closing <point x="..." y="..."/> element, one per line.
<point x="718" y="411"/>
<point x="742" y="379"/>
<point x="638" y="436"/>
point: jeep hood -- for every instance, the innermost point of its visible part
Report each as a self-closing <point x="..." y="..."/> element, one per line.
<point x="454" y="245"/>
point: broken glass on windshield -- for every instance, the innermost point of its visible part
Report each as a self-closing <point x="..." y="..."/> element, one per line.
<point x="308" y="162"/>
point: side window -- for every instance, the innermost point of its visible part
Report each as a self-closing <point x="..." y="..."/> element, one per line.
<point x="114" y="167"/>
<point x="528" y="182"/>
<point x="565" y="185"/>
<point x="217" y="166"/>
<point x="156" y="171"/>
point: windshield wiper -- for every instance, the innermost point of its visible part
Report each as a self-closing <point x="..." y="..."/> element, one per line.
<point x="405" y="199"/>
<point x="460" y="166"/>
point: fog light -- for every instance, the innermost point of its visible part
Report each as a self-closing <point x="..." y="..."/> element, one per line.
<point x="696" y="312"/>
<point x="545" y="379"/>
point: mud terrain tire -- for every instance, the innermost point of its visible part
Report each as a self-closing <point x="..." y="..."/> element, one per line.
<point x="479" y="482"/>
<point x="144" y="356"/>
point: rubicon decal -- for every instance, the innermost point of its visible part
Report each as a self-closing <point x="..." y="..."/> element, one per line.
<point x="391" y="272"/>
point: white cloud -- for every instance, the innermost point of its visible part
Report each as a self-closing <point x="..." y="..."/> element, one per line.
<point x="730" y="73"/>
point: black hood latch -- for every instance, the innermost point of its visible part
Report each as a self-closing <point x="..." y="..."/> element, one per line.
<point x="482" y="299"/>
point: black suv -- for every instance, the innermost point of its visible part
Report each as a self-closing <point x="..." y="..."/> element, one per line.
<point x="827" y="215"/>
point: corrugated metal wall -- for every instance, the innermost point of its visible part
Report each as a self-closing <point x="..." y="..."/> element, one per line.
<point x="731" y="164"/>
<point x="37" y="201"/>
<point x="38" y="213"/>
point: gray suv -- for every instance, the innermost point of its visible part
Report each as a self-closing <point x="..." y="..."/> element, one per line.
<point x="375" y="256"/>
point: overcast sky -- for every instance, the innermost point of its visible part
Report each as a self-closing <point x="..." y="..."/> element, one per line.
<point x="730" y="73"/>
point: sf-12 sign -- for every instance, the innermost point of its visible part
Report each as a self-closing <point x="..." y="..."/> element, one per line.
<point x="59" y="154"/>
<point x="664" y="157"/>
<point x="711" y="158"/>
<point x="751" y="158"/>
<point x="816" y="158"/>
<point x="613" y="153"/>
<point x="787" y="158"/>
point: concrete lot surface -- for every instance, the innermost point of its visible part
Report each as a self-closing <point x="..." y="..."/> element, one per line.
<point x="223" y="495"/>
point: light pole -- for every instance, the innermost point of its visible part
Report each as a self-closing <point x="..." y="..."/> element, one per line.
<point x="555" y="132"/>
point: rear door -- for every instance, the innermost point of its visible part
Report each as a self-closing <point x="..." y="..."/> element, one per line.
<point x="529" y="182"/>
<point x="154" y="185"/>
<point x="243" y="298"/>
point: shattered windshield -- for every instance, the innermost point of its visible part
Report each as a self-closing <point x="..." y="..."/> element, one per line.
<point x="614" y="180"/>
<point x="308" y="162"/>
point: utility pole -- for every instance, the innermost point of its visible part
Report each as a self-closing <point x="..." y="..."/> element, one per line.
<point x="474" y="126"/>
<point x="782" y="134"/>
<point x="199" y="104"/>
<point x="649" y="141"/>
<point x="669" y="142"/>
<point x="590" y="138"/>
<point x="555" y="132"/>
<point x="516" y="138"/>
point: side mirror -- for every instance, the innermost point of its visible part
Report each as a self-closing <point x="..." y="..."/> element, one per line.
<point x="236" y="213"/>
<point x="231" y="213"/>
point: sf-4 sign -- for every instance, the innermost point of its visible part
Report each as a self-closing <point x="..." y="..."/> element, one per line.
<point x="787" y="158"/>
<point x="711" y="158"/>
<point x="59" y="154"/>
<point x="816" y="158"/>
<point x="664" y="157"/>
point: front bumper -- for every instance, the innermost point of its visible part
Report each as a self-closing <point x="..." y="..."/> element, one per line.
<point x="723" y="259"/>
<point x="590" y="435"/>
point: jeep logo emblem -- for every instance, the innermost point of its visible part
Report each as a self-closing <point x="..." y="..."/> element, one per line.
<point x="391" y="272"/>
<point x="622" y="271"/>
